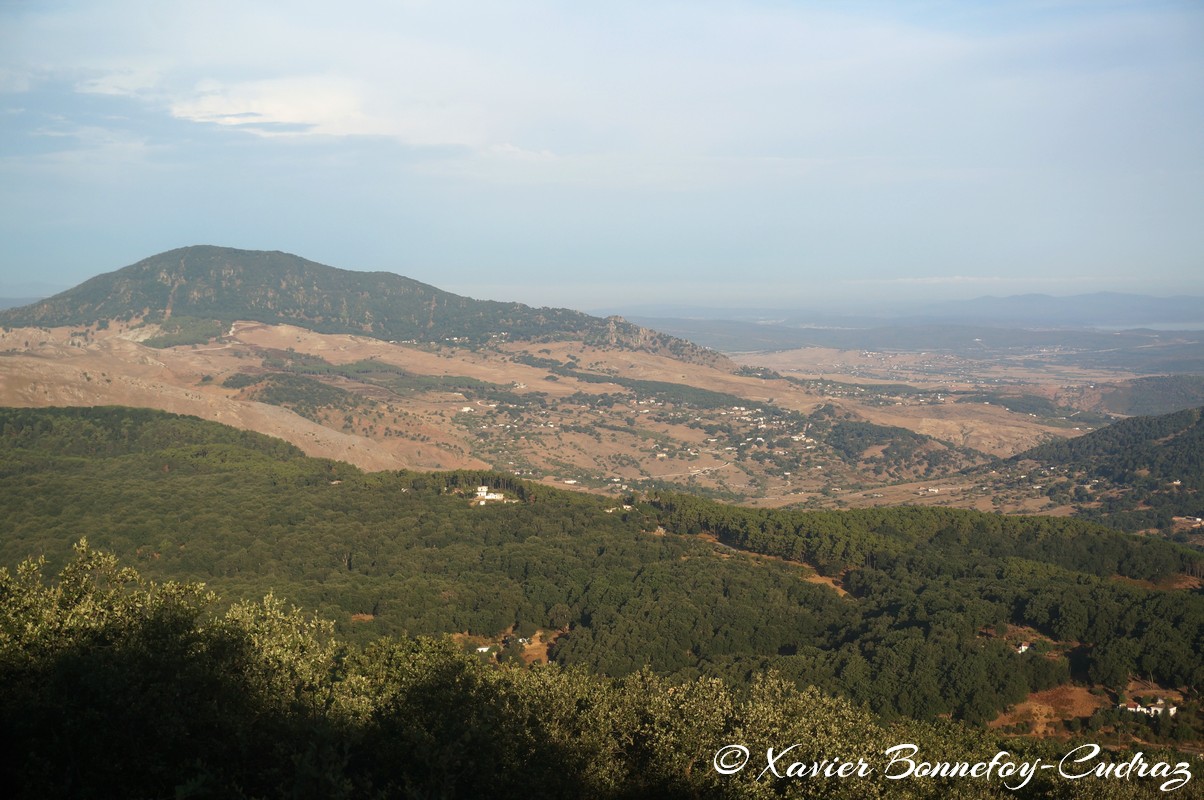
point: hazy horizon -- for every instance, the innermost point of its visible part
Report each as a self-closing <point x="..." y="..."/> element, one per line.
<point x="830" y="312"/>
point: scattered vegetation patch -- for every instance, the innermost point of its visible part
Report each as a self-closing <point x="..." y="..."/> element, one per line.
<point x="182" y="330"/>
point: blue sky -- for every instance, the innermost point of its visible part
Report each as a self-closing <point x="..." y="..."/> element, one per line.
<point x="602" y="155"/>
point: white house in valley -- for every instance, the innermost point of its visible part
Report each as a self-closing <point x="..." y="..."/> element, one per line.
<point x="483" y="495"/>
<point x="1155" y="710"/>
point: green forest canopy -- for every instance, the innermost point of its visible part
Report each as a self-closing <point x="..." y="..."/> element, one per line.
<point x="929" y="589"/>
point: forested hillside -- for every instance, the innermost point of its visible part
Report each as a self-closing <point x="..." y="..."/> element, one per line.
<point x="194" y="291"/>
<point x="1136" y="473"/>
<point x="937" y="599"/>
<point x="1157" y="394"/>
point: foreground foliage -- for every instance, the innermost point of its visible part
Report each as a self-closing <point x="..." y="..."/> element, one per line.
<point x="113" y="686"/>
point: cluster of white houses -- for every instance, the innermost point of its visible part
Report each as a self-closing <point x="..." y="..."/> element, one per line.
<point x="484" y="495"/>
<point x="1154" y="710"/>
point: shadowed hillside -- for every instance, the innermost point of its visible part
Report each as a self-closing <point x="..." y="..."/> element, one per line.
<point x="126" y="688"/>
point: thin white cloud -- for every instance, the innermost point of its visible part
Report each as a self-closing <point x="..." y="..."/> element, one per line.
<point x="706" y="80"/>
<point x="320" y="105"/>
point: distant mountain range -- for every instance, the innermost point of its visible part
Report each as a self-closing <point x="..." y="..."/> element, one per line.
<point x="1108" y="310"/>
<point x="1134" y="333"/>
<point x="1138" y="351"/>
<point x="1099" y="310"/>
<point x="224" y="285"/>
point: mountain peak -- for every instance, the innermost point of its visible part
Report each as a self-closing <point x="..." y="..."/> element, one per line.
<point x="227" y="284"/>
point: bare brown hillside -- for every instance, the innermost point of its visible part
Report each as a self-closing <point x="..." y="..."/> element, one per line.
<point x="564" y="412"/>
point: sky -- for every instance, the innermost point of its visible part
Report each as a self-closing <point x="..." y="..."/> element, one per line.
<point x="610" y="155"/>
